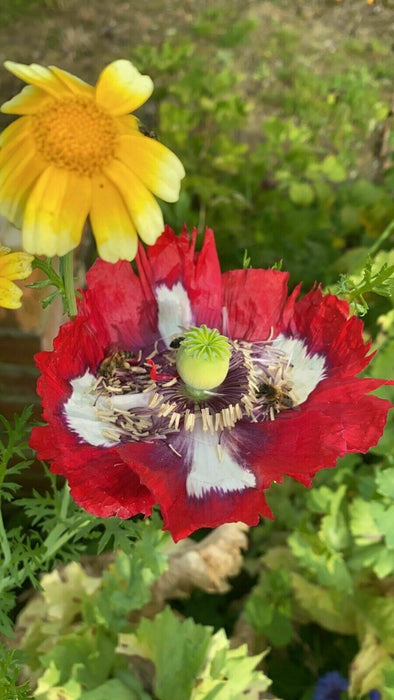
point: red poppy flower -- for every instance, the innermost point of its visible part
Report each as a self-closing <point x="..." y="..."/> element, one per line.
<point x="127" y="431"/>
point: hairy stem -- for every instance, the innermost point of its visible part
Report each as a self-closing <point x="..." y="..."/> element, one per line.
<point x="67" y="273"/>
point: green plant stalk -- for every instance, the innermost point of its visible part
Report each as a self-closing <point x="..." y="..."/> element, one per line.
<point x="4" y="542"/>
<point x="67" y="274"/>
<point x="382" y="238"/>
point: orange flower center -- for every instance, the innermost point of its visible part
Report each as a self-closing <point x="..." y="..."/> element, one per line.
<point x="75" y="134"/>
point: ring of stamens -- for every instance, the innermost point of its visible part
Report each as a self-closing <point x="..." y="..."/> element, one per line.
<point x="256" y="388"/>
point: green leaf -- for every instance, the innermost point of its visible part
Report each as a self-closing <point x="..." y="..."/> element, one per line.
<point x="268" y="608"/>
<point x="385" y="482"/>
<point x="86" y="658"/>
<point x="331" y="609"/>
<point x="327" y="566"/>
<point x="190" y="663"/>
<point x="333" y="169"/>
<point x="49" y="687"/>
<point x="178" y="650"/>
<point x="388" y="676"/>
<point x="301" y="193"/>
<point x="116" y="690"/>
<point x="333" y="528"/>
<point x="384" y="519"/>
<point x="229" y="673"/>
<point x="362" y="523"/>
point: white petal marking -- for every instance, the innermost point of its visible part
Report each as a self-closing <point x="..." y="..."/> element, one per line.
<point x="82" y="407"/>
<point x="211" y="472"/>
<point x="175" y="311"/>
<point x="81" y="412"/>
<point x="307" y="370"/>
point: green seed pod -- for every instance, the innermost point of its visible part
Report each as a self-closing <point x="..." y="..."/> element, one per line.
<point x="203" y="358"/>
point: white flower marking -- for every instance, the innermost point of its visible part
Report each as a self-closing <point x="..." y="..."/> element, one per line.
<point x="82" y="408"/>
<point x="213" y="469"/>
<point x="175" y="312"/>
<point x="305" y="370"/>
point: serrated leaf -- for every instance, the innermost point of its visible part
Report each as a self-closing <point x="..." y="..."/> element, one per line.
<point x="376" y="557"/>
<point x="366" y="670"/>
<point x="49" y="688"/>
<point x="385" y="482"/>
<point x="331" y="609"/>
<point x="327" y="566"/>
<point x="268" y="609"/>
<point x="76" y="656"/>
<point x="384" y="519"/>
<point x="229" y="673"/>
<point x="177" y="649"/>
<point x="362" y="523"/>
<point x="333" y="527"/>
<point x="376" y="614"/>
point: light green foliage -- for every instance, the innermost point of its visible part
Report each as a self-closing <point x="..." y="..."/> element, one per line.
<point x="334" y="567"/>
<point x="375" y="277"/>
<point x="202" y="664"/>
<point x="388" y="676"/>
<point x="276" y="157"/>
<point x="70" y="629"/>
<point x="269" y="609"/>
<point x="77" y="637"/>
<point x="180" y="656"/>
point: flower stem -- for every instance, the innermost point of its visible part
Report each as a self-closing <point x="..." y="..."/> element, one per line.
<point x="4" y="542"/>
<point x="67" y="273"/>
<point x="382" y="238"/>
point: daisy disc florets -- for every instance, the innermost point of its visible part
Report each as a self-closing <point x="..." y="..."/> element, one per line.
<point x="195" y="390"/>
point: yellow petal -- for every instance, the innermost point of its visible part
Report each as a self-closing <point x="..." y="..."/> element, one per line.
<point x="127" y="124"/>
<point x="158" y="167"/>
<point x="143" y="208"/>
<point x="15" y="266"/>
<point x="39" y="76"/>
<point x="75" y="85"/>
<point x="10" y="294"/>
<point x="55" y="213"/>
<point x="121" y="88"/>
<point x="112" y="226"/>
<point x="16" y="131"/>
<point x="18" y="174"/>
<point x="28" y="101"/>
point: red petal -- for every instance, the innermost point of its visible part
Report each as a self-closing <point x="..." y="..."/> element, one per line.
<point x="325" y="324"/>
<point x="99" y="480"/>
<point x="164" y="474"/>
<point x="255" y="301"/>
<point x="116" y="306"/>
<point x="76" y="350"/>
<point x="333" y="421"/>
<point x="173" y="259"/>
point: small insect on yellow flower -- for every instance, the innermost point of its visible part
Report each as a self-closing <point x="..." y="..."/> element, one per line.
<point x="75" y="152"/>
<point x="13" y="266"/>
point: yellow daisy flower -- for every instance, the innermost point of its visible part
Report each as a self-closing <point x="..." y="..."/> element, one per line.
<point x="77" y="152"/>
<point x="13" y="266"/>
